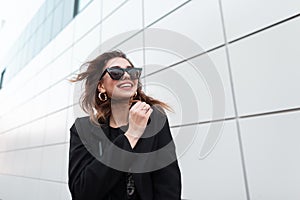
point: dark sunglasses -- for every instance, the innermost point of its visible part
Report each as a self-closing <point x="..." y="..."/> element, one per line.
<point x="117" y="73"/>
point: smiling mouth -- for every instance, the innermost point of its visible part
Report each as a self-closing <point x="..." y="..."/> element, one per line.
<point x="125" y="85"/>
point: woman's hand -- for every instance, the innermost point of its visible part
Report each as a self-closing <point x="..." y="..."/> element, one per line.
<point x="138" y="118"/>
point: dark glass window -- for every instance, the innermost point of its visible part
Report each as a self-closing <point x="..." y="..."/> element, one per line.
<point x="80" y="5"/>
<point x="2" y="78"/>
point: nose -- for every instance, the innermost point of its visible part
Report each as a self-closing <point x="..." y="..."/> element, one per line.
<point x="125" y="76"/>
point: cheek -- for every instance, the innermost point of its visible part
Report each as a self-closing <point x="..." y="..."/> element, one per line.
<point x="109" y="85"/>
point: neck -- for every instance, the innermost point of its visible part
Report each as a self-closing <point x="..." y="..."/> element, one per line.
<point x="119" y="113"/>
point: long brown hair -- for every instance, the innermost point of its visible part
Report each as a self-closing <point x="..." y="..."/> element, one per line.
<point x="89" y="100"/>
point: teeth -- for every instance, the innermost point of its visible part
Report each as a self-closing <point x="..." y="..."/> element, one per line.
<point x="125" y="85"/>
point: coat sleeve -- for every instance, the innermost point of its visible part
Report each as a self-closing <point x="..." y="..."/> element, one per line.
<point x="167" y="180"/>
<point x="89" y="178"/>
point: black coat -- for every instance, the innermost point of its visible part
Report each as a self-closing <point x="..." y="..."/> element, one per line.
<point x="90" y="179"/>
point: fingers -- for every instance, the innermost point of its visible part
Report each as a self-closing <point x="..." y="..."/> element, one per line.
<point x="148" y="112"/>
<point x="138" y="118"/>
<point x="137" y="105"/>
<point x="141" y="107"/>
<point x="141" y="110"/>
<point x="146" y="108"/>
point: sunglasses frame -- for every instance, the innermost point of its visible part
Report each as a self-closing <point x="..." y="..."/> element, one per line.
<point x="107" y="70"/>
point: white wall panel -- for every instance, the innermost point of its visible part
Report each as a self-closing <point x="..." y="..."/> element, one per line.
<point x="244" y="17"/>
<point x="3" y="106"/>
<point x="46" y="55"/>
<point x="64" y="39"/>
<point x="27" y="111"/>
<point x="3" y="142"/>
<point x="161" y="8"/>
<point x="37" y="132"/>
<point x="55" y="131"/>
<point x="266" y="69"/>
<point x="109" y="7"/>
<point x="11" y="187"/>
<point x="6" y="107"/>
<point x="70" y="120"/>
<point x="61" y="67"/>
<point x="58" y="96"/>
<point x="18" y="193"/>
<point x="33" y="163"/>
<point x="13" y="94"/>
<point x="28" y="188"/>
<point x="23" y="136"/>
<point x="10" y="139"/>
<point x="9" y="159"/>
<point x="131" y="15"/>
<point x="136" y="57"/>
<point x="52" y="161"/>
<point x="23" y="113"/>
<point x="2" y="159"/>
<point x="4" y="185"/>
<point x="72" y="91"/>
<point x="199" y="21"/>
<point x="271" y="146"/>
<point x="219" y="175"/>
<point x="157" y="59"/>
<point x="49" y="190"/>
<point x="87" y="19"/>
<point x="18" y="166"/>
<point x="84" y="47"/>
<point x="39" y="105"/>
<point x="40" y="82"/>
<point x="188" y="88"/>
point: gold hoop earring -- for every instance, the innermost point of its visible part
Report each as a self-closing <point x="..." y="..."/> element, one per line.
<point x="101" y="98"/>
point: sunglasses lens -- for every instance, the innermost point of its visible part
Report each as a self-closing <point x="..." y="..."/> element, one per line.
<point x="116" y="74"/>
<point x="134" y="73"/>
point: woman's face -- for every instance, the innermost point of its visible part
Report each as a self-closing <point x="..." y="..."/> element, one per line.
<point x="118" y="89"/>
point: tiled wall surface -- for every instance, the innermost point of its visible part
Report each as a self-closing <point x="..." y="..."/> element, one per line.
<point x="253" y="47"/>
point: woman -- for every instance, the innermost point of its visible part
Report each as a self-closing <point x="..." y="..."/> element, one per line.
<point x="124" y="148"/>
